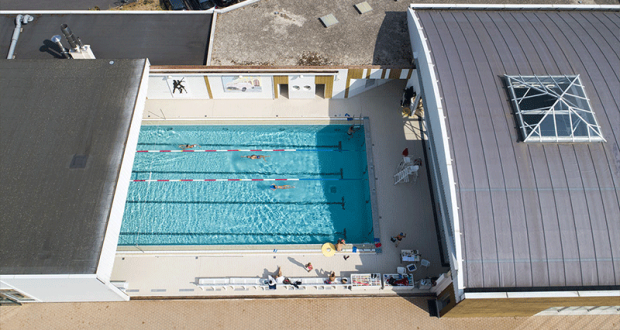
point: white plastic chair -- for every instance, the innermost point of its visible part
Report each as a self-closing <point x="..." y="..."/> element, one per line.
<point x="425" y="263"/>
<point x="401" y="270"/>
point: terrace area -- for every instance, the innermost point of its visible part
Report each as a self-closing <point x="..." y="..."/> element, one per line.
<point x="405" y="207"/>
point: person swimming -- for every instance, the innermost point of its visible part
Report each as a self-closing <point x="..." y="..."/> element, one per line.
<point x="256" y="157"/>
<point x="274" y="187"/>
<point x="187" y="146"/>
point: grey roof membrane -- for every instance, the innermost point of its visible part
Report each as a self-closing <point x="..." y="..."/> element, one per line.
<point x="174" y="39"/>
<point x="54" y="218"/>
<point x="532" y="215"/>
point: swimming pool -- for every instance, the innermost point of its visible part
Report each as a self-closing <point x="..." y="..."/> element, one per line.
<point x="213" y="194"/>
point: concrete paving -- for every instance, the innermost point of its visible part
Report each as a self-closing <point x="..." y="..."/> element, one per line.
<point x="321" y="313"/>
<point x="402" y="208"/>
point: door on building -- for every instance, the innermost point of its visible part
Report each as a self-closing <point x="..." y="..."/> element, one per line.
<point x="280" y="86"/>
<point x="324" y="86"/>
<point x="320" y="91"/>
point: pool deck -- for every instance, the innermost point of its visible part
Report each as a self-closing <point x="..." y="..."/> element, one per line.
<point x="404" y="207"/>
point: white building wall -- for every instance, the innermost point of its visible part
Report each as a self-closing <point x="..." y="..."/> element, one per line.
<point x="434" y="115"/>
<point x="340" y="84"/>
<point x="218" y="91"/>
<point x="358" y="86"/>
<point x="301" y="87"/>
<point x="162" y="87"/>
<point x="63" y="288"/>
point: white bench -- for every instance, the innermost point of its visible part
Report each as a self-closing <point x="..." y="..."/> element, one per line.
<point x="213" y="284"/>
<point x="319" y="283"/>
<point x="245" y="283"/>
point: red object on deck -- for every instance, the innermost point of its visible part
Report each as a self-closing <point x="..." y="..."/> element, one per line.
<point x="406" y="152"/>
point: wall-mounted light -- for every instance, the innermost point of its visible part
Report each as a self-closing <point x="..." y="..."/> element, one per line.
<point x="301" y="76"/>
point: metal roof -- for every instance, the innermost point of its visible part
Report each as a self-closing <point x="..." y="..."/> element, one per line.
<point x="531" y="215"/>
<point x="165" y="39"/>
<point x="54" y="217"/>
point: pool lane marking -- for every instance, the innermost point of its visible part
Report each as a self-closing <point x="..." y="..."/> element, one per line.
<point x="342" y="204"/>
<point x="243" y="180"/>
<point x="243" y="150"/>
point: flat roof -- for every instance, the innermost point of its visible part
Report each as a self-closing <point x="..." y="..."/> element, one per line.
<point x="54" y="218"/>
<point x="282" y="33"/>
<point x="165" y="39"/>
<point x="531" y="215"/>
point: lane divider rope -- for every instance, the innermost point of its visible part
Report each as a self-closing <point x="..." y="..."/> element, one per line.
<point x="242" y="180"/>
<point x="242" y="150"/>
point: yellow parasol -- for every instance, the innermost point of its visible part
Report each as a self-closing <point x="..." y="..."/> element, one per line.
<point x="328" y="249"/>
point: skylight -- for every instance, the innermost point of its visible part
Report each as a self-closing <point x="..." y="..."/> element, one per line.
<point x="553" y="109"/>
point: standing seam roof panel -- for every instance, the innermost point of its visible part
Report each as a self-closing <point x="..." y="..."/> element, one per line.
<point x="471" y="241"/>
<point x="568" y="209"/>
<point x="505" y="136"/>
<point x="598" y="217"/>
<point x="597" y="40"/>
<point x="498" y="217"/>
<point x="534" y="218"/>
<point x="475" y="146"/>
<point x="566" y="227"/>
<point x="551" y="231"/>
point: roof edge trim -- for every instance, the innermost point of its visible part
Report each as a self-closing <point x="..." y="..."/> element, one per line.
<point x="541" y="294"/>
<point x="426" y="72"/>
<point x="115" y="218"/>
<point x="513" y="7"/>
<point x="105" y="12"/>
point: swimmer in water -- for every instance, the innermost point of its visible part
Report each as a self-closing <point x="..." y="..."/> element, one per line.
<point x="187" y="146"/>
<point x="274" y="187"/>
<point x="351" y="130"/>
<point x="256" y="157"/>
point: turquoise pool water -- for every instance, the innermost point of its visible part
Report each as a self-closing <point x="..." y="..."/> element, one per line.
<point x="330" y="200"/>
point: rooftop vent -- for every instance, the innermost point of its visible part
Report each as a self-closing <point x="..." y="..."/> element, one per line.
<point x="328" y="20"/>
<point x="77" y="49"/>
<point x="363" y="7"/>
<point x="78" y="161"/>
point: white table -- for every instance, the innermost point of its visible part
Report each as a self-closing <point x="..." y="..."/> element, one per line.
<point x="409" y="256"/>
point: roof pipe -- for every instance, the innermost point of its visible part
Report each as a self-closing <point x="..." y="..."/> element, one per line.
<point x="19" y="19"/>
<point x="69" y="36"/>
<point x="56" y="39"/>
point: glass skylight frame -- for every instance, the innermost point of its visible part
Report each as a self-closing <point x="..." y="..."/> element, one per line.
<point x="553" y="109"/>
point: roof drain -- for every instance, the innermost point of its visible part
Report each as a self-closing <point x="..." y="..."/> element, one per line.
<point x="19" y="19"/>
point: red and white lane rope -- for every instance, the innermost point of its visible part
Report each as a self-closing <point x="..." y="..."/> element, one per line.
<point x="226" y="150"/>
<point x="202" y="180"/>
<point x="244" y="180"/>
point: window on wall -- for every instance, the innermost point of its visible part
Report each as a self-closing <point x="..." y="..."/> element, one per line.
<point x="553" y="109"/>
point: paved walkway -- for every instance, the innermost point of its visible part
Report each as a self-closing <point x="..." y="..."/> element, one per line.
<point x="402" y="208"/>
<point x="319" y="313"/>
